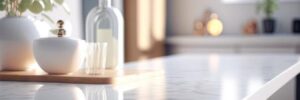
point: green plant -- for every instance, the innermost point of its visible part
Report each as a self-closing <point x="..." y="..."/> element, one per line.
<point x="268" y="7"/>
<point x="18" y="7"/>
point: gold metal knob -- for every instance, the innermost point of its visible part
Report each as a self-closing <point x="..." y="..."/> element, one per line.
<point x="61" y="30"/>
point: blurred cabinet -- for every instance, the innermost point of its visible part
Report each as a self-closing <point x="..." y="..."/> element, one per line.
<point x="144" y="28"/>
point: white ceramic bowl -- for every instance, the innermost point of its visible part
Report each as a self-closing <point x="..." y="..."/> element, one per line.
<point x="59" y="55"/>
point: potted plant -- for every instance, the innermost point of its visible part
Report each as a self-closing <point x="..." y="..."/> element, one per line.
<point x="18" y="31"/>
<point x="268" y="7"/>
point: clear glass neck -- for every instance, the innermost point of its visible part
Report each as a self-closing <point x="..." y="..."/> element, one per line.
<point x="104" y="3"/>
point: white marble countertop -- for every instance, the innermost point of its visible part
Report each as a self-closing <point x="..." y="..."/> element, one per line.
<point x="187" y="77"/>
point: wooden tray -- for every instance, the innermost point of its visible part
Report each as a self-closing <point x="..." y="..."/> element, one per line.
<point x="108" y="77"/>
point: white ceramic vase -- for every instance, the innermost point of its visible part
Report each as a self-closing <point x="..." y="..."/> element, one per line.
<point x="16" y="36"/>
<point x="59" y="55"/>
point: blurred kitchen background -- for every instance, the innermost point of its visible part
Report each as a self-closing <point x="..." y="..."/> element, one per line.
<point x="156" y="28"/>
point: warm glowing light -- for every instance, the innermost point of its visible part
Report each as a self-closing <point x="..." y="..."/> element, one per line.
<point x="158" y="20"/>
<point x="144" y="22"/>
<point x="214" y="26"/>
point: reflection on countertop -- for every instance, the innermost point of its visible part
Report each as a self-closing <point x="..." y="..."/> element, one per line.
<point x="186" y="77"/>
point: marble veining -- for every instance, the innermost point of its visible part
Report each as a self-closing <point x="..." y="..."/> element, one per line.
<point x="187" y="77"/>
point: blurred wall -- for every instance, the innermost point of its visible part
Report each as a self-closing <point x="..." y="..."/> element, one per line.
<point x="75" y="17"/>
<point x="182" y="13"/>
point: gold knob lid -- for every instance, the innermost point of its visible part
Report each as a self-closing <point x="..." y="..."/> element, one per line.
<point x="61" y="30"/>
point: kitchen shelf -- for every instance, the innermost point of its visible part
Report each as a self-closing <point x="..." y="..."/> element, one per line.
<point x="287" y="40"/>
<point x="290" y="43"/>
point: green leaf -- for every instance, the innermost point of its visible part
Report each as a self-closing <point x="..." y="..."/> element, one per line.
<point x="48" y="5"/>
<point x="37" y="7"/>
<point x="54" y="31"/>
<point x="2" y="5"/>
<point x="24" y="5"/>
<point x="22" y="9"/>
<point x="60" y="2"/>
<point x="268" y="7"/>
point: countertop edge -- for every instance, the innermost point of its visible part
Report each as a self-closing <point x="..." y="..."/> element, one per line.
<point x="275" y="84"/>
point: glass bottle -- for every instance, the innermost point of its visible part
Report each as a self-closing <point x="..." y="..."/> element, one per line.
<point x="105" y="23"/>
